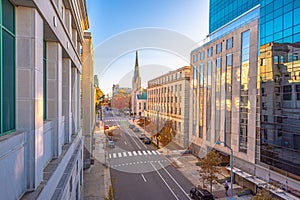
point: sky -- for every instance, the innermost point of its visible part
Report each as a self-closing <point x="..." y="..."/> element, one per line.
<point x="163" y="31"/>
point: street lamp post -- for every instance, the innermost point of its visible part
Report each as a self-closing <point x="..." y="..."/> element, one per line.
<point x="231" y="167"/>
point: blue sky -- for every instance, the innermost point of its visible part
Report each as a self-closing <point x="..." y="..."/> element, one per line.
<point x="110" y="20"/>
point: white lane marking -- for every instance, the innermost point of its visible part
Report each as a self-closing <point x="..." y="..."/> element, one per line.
<point x="158" y="152"/>
<point x="114" y="155"/>
<point x="164" y="181"/>
<point x="124" y="154"/>
<point x="154" y="152"/>
<point x="134" y="153"/>
<point x="145" y="153"/>
<point x="109" y="155"/>
<point x="129" y="153"/>
<point x="119" y="155"/>
<point x="140" y="153"/>
<point x="174" y="180"/>
<point x="135" y="141"/>
<point x="144" y="177"/>
<point x="125" y="142"/>
<point x="149" y="152"/>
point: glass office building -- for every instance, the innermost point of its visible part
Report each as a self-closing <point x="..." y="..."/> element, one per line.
<point x="221" y="12"/>
<point x="279" y="87"/>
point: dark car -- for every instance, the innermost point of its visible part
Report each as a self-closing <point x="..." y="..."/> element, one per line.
<point x="201" y="194"/>
<point x="106" y="127"/>
<point x="131" y="126"/>
<point x="147" y="140"/>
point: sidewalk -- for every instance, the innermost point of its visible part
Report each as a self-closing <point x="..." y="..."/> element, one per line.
<point x="96" y="179"/>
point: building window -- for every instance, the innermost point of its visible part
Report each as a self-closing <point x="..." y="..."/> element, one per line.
<point x="45" y="79"/>
<point x="208" y="101"/>
<point x="229" y="43"/>
<point x="145" y="107"/>
<point x="298" y="92"/>
<point x="195" y="58"/>
<point x="244" y="85"/>
<point x="7" y="68"/>
<point x="140" y="106"/>
<point x="219" y="48"/>
<point x="201" y="99"/>
<point x="218" y="98"/>
<point x="228" y="100"/>
<point x="287" y="92"/>
<point x="202" y="55"/>
<point x="209" y="52"/>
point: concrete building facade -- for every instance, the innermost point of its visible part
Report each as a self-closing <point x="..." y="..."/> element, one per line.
<point x="223" y="92"/>
<point x="116" y="89"/>
<point x="168" y="100"/>
<point x="40" y="133"/>
<point x="87" y="97"/>
<point x="142" y="103"/>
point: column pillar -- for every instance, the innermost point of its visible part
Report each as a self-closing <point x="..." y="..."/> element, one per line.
<point x="67" y="98"/>
<point x="29" y="94"/>
<point x="74" y="100"/>
<point x="54" y="94"/>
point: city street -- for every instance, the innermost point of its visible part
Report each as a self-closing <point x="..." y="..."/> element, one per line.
<point x="139" y="171"/>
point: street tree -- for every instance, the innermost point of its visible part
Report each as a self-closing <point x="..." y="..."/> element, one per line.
<point x="120" y="101"/>
<point x="210" y="167"/>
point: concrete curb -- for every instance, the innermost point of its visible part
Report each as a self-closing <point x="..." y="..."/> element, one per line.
<point x="107" y="180"/>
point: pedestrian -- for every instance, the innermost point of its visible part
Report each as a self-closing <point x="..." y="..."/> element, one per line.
<point x="226" y="188"/>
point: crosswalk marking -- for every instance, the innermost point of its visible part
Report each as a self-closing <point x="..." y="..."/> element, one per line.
<point x="134" y="153"/>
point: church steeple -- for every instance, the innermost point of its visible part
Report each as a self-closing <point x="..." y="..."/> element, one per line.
<point x="136" y="80"/>
<point x="136" y="58"/>
<point x="136" y="68"/>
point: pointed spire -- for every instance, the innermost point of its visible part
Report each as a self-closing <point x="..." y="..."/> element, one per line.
<point x="136" y="58"/>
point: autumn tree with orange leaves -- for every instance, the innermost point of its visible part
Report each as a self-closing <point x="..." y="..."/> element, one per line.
<point x="120" y="101"/>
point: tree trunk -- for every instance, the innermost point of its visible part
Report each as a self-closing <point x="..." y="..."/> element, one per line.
<point x="210" y="185"/>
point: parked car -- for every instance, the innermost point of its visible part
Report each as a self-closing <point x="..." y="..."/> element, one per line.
<point x="131" y="126"/>
<point x="142" y="136"/>
<point x="147" y="140"/>
<point x="200" y="194"/>
<point x="111" y="143"/>
<point x="106" y="127"/>
<point x="136" y="129"/>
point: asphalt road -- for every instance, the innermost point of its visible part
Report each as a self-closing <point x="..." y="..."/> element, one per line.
<point x="139" y="171"/>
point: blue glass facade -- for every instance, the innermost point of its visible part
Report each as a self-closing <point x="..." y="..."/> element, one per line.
<point x="280" y="21"/>
<point x="222" y="12"/>
<point x="279" y="82"/>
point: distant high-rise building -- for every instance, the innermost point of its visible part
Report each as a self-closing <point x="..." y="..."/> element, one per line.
<point x="96" y="81"/>
<point x="221" y="12"/>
